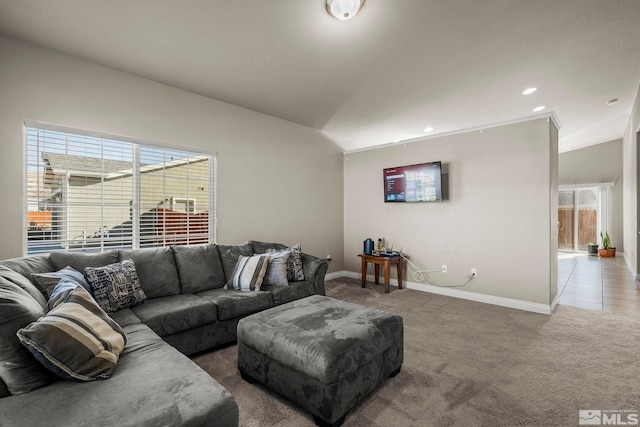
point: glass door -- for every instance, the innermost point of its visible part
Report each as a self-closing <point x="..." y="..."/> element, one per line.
<point x="578" y="213"/>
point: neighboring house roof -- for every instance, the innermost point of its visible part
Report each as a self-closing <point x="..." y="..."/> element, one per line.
<point x="61" y="164"/>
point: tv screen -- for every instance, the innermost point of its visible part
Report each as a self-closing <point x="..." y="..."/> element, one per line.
<point x="413" y="183"/>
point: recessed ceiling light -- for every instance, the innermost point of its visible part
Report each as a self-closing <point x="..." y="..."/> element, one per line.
<point x="428" y="129"/>
<point x="539" y="108"/>
<point x="612" y="101"/>
<point x="529" y="91"/>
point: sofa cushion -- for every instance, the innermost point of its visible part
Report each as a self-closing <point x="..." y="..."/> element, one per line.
<point x="232" y="304"/>
<point x="19" y="370"/>
<point x="115" y="286"/>
<point x="125" y="317"/>
<point x="153" y="385"/>
<point x="199" y="267"/>
<point x="76" y="339"/>
<point x="24" y="283"/>
<point x="156" y="268"/>
<point x="46" y="282"/>
<point x="249" y="273"/>
<point x="277" y="269"/>
<point x="80" y="261"/>
<point x="177" y="313"/>
<point x="28" y="265"/>
<point x="229" y="255"/>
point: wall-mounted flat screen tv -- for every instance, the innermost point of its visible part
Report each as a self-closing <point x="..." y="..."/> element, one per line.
<point x="413" y="183"/>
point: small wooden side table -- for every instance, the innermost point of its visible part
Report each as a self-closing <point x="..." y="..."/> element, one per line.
<point x="377" y="262"/>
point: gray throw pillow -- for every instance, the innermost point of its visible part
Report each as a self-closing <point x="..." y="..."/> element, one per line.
<point x="277" y="269"/>
<point x="115" y="286"/>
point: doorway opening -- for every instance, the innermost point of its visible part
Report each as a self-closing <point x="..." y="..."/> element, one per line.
<point x="582" y="214"/>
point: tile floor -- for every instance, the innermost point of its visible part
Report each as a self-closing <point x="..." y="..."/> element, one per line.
<point x="603" y="284"/>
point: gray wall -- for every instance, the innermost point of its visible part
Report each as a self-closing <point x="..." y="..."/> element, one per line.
<point x="498" y="217"/>
<point x="630" y="152"/>
<point x="601" y="163"/>
<point x="277" y="181"/>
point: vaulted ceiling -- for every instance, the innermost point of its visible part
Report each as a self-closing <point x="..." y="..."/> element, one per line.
<point x="398" y="67"/>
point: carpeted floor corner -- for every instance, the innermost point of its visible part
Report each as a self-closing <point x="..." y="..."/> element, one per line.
<point x="472" y="364"/>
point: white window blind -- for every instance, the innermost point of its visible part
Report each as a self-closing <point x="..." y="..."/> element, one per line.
<point x="93" y="192"/>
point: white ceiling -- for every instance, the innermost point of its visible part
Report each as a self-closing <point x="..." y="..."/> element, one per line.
<point x="397" y="67"/>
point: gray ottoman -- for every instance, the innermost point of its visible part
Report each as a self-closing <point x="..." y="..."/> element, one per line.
<point x="321" y="353"/>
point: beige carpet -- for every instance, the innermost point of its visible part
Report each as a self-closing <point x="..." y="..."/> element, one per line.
<point x="472" y="364"/>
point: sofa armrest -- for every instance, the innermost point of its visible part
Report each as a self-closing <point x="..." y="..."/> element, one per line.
<point x="314" y="270"/>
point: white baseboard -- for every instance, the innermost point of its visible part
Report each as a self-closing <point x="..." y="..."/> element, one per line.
<point x="457" y="293"/>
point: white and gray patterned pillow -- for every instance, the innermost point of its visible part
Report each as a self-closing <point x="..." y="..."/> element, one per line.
<point x="277" y="269"/>
<point x="115" y="286"/>
<point x="248" y="273"/>
<point x="295" y="263"/>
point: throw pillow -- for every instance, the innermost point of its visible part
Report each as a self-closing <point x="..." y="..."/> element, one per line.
<point x="76" y="339"/>
<point x="277" y="269"/>
<point x="249" y="273"/>
<point x="115" y="286"/>
<point x="295" y="264"/>
<point x="47" y="281"/>
<point x="18" y="368"/>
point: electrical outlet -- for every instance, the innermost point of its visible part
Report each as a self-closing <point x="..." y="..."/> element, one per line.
<point x="444" y="268"/>
<point x="474" y="271"/>
<point x="328" y="257"/>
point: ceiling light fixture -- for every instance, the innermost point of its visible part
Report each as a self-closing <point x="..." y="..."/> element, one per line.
<point x="344" y="9"/>
<point x="529" y="91"/>
<point x="428" y="129"/>
<point x="612" y="101"/>
<point x="539" y="108"/>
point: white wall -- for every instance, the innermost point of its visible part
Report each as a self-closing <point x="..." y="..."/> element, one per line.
<point x="498" y="218"/>
<point x="601" y="163"/>
<point x="277" y="181"/>
<point x="630" y="153"/>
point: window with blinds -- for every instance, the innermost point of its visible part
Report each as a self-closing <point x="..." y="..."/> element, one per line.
<point x="92" y="192"/>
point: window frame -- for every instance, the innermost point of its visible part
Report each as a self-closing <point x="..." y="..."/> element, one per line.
<point x="136" y="209"/>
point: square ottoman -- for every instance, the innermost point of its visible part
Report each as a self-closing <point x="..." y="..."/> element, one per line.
<point x="323" y="354"/>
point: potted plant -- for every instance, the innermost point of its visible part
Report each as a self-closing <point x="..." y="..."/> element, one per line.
<point x="606" y="251"/>
<point x="592" y="248"/>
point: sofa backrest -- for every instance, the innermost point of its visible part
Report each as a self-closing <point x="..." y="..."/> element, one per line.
<point x="199" y="267"/>
<point x="156" y="269"/>
<point x="229" y="255"/>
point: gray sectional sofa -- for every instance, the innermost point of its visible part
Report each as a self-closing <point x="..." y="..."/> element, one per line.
<point x="187" y="311"/>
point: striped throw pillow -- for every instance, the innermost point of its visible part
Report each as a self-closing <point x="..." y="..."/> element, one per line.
<point x="248" y="273"/>
<point x="76" y="339"/>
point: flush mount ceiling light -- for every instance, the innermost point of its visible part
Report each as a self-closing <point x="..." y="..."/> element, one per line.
<point x="529" y="91"/>
<point x="539" y="108"/>
<point x="344" y="9"/>
<point x="428" y="129"/>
